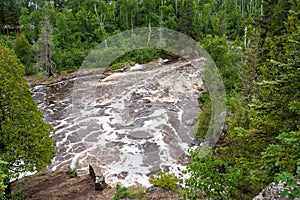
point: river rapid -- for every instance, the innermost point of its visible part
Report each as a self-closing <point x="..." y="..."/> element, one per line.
<point x="131" y="124"/>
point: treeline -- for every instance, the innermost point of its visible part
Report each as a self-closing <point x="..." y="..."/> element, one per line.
<point x="261" y="139"/>
<point x="74" y="27"/>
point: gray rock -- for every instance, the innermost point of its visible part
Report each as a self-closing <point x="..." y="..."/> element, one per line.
<point x="97" y="177"/>
<point x="273" y="192"/>
<point x="197" y="141"/>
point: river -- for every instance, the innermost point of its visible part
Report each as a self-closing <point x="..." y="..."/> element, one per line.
<point x="131" y="124"/>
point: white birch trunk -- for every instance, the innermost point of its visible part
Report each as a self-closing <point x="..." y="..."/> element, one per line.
<point x="101" y="24"/>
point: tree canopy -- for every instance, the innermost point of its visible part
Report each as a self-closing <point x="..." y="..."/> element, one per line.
<point x="25" y="145"/>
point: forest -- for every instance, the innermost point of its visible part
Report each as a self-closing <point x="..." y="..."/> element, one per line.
<point x="254" y="43"/>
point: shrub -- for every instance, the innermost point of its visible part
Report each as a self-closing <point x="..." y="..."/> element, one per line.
<point x="134" y="192"/>
<point x="209" y="178"/>
<point x="72" y="172"/>
<point x="121" y="192"/>
<point x="165" y="181"/>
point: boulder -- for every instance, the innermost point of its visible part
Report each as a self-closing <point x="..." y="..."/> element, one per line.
<point x="97" y="177"/>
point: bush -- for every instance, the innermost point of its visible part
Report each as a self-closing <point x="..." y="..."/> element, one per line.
<point x="131" y="192"/>
<point x="121" y="192"/>
<point x="72" y="172"/>
<point x="2" y="178"/>
<point x="165" y="181"/>
<point x="209" y="178"/>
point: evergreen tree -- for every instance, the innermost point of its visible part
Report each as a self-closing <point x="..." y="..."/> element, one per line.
<point x="25" y="143"/>
<point x="187" y="15"/>
<point x="24" y="52"/>
<point x="265" y="132"/>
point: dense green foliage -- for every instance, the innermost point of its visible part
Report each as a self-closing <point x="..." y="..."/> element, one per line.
<point x="165" y="181"/>
<point x="262" y="143"/>
<point x="123" y="192"/>
<point x="2" y="177"/>
<point x="79" y="26"/>
<point x="25" y="143"/>
<point x="210" y="178"/>
<point x="255" y="45"/>
<point x="24" y="52"/>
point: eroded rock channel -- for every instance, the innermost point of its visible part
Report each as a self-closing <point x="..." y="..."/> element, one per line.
<point x="131" y="124"/>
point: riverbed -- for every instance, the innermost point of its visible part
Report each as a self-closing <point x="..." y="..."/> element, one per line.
<point x="131" y="124"/>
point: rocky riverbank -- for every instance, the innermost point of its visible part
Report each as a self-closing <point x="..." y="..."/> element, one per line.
<point x="59" y="185"/>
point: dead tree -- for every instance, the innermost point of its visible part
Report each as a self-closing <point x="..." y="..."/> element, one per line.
<point x="45" y="49"/>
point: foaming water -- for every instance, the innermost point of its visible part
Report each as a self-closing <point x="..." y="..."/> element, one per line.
<point x="131" y="124"/>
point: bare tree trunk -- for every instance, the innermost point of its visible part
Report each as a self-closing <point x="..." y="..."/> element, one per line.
<point x="48" y="60"/>
<point x="161" y="33"/>
<point x="131" y="21"/>
<point x="45" y="47"/>
<point x="149" y="35"/>
<point x="176" y="7"/>
<point x="101" y="24"/>
<point x="243" y="7"/>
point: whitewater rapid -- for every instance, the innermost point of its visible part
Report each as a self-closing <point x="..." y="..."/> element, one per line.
<point x="131" y="124"/>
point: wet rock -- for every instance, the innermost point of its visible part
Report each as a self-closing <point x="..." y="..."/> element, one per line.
<point x="97" y="177"/>
<point x="135" y="96"/>
<point x="102" y="105"/>
<point x="92" y="137"/>
<point x="149" y="147"/>
<point x="197" y="141"/>
<point x="139" y="135"/>
<point x="77" y="148"/>
<point x="93" y="127"/>
<point x="185" y="160"/>
<point x="73" y="138"/>
<point x="135" y="120"/>
<point x="122" y="175"/>
<point x="191" y="122"/>
<point x="146" y="101"/>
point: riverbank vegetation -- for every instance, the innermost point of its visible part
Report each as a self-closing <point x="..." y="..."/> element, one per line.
<point x="255" y="45"/>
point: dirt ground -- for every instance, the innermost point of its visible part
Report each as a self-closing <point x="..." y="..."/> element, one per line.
<point x="59" y="185"/>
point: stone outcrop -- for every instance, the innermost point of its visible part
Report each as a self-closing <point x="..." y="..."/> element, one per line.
<point x="273" y="192"/>
<point x="97" y="177"/>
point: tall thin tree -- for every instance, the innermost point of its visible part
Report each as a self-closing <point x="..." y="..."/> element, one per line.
<point x="45" y="49"/>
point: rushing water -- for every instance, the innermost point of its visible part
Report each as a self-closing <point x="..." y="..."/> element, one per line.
<point x="131" y="124"/>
